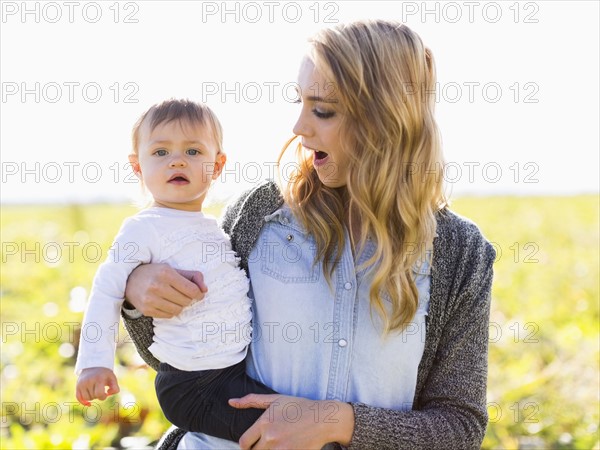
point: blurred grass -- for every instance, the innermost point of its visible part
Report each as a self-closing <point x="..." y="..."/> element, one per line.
<point x="543" y="386"/>
<point x="544" y="354"/>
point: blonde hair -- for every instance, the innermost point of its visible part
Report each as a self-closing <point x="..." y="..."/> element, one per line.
<point x="385" y="82"/>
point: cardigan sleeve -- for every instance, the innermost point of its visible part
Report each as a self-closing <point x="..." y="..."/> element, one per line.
<point x="450" y="411"/>
<point x="232" y="212"/>
<point x="141" y="332"/>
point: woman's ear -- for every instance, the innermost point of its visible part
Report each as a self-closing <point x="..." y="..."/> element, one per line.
<point x="135" y="164"/>
<point x="219" y="164"/>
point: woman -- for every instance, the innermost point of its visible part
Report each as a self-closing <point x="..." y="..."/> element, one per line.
<point x="371" y="298"/>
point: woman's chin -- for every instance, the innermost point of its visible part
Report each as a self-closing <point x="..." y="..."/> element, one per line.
<point x="332" y="183"/>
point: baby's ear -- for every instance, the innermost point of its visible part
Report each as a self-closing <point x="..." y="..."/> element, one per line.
<point x="135" y="164"/>
<point x="219" y="164"/>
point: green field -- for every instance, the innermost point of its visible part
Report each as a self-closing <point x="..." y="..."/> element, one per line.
<point x="544" y="352"/>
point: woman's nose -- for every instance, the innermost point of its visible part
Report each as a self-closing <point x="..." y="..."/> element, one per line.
<point x="302" y="127"/>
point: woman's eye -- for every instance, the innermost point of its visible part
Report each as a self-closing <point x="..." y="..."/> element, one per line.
<point x="160" y="152"/>
<point x="192" y="151"/>
<point x="323" y="114"/>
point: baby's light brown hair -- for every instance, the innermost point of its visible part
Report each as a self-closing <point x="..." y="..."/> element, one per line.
<point x="182" y="110"/>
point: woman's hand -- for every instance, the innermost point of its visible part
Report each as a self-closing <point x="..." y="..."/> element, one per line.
<point x="158" y="290"/>
<point x="295" y="422"/>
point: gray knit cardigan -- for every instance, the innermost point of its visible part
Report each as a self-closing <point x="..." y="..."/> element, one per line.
<point x="449" y="408"/>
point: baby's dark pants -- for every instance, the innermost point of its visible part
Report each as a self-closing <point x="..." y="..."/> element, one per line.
<point x="197" y="400"/>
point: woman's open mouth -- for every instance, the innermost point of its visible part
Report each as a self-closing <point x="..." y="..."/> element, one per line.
<point x="320" y="158"/>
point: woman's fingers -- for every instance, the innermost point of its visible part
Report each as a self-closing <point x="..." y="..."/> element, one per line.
<point x="261" y="401"/>
<point x="171" y="301"/>
<point x="253" y="435"/>
<point x="250" y="437"/>
<point x="198" y="279"/>
<point x="158" y="290"/>
<point x="173" y="290"/>
<point x="138" y="289"/>
<point x="299" y="427"/>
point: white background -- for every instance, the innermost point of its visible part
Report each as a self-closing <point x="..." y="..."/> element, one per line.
<point x="529" y="126"/>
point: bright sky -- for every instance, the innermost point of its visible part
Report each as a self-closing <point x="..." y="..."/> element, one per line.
<point x="518" y="88"/>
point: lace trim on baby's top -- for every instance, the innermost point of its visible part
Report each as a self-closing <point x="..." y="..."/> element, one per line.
<point x="227" y="285"/>
<point x="216" y="336"/>
<point x="223" y="318"/>
<point x="211" y="241"/>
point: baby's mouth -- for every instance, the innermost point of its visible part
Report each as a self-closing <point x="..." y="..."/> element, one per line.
<point x="320" y="155"/>
<point x="178" y="179"/>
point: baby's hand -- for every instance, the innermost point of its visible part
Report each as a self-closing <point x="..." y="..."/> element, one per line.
<point x="92" y="383"/>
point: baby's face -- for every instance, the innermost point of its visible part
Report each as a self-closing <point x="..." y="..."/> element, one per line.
<point x="177" y="163"/>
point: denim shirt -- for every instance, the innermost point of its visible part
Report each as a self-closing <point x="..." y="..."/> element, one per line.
<point x="322" y="341"/>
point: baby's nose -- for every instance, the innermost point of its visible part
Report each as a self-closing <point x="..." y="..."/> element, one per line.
<point x="177" y="162"/>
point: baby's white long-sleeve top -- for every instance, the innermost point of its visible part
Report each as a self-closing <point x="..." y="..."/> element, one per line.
<point x="208" y="334"/>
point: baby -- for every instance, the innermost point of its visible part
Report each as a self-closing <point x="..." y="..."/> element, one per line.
<point x="177" y="153"/>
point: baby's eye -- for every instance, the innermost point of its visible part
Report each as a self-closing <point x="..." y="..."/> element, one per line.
<point x="192" y="151"/>
<point x="160" y="152"/>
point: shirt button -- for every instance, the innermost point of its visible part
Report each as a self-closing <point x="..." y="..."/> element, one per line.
<point x="342" y="342"/>
<point x="348" y="286"/>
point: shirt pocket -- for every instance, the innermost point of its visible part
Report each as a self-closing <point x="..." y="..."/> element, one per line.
<point x="287" y="254"/>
